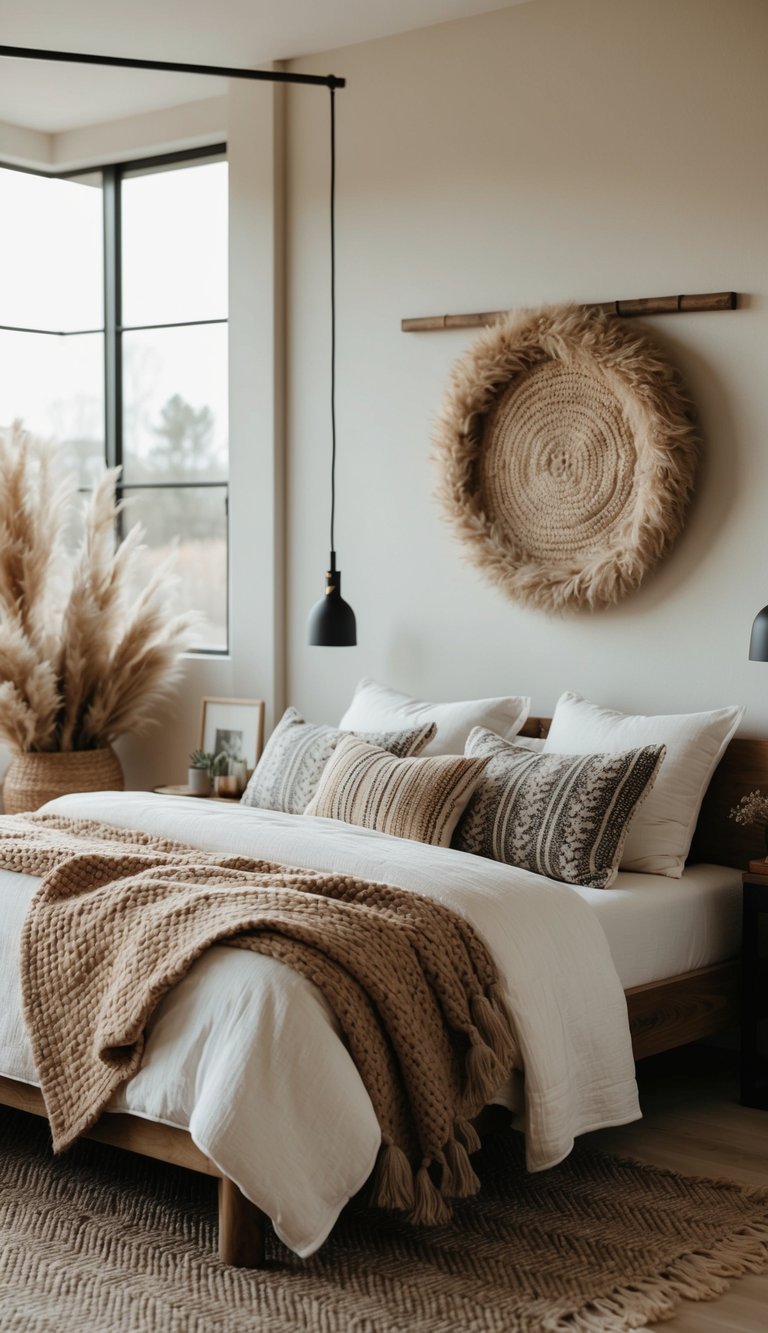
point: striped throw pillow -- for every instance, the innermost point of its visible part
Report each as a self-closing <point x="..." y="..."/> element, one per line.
<point x="564" y="816"/>
<point x="420" y="799"/>
<point x="296" y="753"/>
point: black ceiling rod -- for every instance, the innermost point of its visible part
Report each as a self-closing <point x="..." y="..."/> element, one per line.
<point x="173" y="66"/>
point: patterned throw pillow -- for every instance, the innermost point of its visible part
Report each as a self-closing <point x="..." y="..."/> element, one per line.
<point x="660" y="838"/>
<point x="420" y="799"/>
<point x="296" y="753"/>
<point x="564" y="816"/>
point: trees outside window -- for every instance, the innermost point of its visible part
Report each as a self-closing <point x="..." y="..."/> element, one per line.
<point x="113" y="343"/>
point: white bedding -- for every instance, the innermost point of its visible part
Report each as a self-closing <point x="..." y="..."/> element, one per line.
<point x="245" y="1054"/>
<point x="657" y="927"/>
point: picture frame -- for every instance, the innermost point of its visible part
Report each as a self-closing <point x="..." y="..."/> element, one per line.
<point x="234" y="727"/>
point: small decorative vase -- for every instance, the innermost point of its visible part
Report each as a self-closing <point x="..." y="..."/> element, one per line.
<point x="227" y="784"/>
<point x="199" y="781"/>
<point x="33" y="779"/>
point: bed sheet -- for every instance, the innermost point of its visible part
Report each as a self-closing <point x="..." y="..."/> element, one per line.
<point x="659" y="927"/>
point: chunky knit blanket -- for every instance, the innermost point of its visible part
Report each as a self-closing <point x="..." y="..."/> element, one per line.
<point x="121" y="916"/>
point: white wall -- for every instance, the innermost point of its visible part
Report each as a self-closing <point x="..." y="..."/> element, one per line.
<point x="555" y="150"/>
<point x="191" y="125"/>
<point x="22" y="147"/>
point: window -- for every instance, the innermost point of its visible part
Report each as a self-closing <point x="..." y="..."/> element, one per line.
<point x="113" y="342"/>
<point x="52" y="312"/>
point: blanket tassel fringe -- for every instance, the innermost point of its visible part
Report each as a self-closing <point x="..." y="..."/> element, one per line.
<point x="398" y="1186"/>
<point x="459" y="1179"/>
<point x="466" y="1134"/>
<point x="430" y="1208"/>
<point x="493" y="1024"/>
<point x="394" y="1178"/>
<point x="484" y="1072"/>
<point x="486" y="1066"/>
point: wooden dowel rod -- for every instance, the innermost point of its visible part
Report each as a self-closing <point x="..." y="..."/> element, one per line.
<point x="639" y="305"/>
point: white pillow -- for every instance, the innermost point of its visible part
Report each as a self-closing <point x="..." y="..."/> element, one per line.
<point x="375" y="706"/>
<point x="660" y="834"/>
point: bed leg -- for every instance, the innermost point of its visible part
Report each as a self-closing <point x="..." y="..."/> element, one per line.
<point x="241" y="1228"/>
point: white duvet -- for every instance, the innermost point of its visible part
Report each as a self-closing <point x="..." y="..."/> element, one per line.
<point x="245" y="1052"/>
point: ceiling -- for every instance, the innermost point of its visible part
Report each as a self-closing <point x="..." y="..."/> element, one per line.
<point x="249" y="33"/>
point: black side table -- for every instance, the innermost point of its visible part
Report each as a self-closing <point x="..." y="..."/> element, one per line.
<point x="754" y="995"/>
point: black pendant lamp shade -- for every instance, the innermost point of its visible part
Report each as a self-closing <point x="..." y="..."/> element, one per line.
<point x="758" y="644"/>
<point x="331" y="621"/>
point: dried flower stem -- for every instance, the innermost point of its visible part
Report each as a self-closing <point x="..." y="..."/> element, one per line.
<point x="81" y="660"/>
<point x="752" y="809"/>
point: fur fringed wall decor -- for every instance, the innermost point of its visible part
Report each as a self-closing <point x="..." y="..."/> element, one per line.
<point x="567" y="449"/>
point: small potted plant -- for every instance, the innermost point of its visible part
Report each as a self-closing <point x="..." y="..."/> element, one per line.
<point x="199" y="773"/>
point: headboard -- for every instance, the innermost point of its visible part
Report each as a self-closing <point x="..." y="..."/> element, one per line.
<point x="743" y="767"/>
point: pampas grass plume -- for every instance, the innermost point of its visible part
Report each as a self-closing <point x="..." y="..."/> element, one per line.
<point x="82" y="659"/>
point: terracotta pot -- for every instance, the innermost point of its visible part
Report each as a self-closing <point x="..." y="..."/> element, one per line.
<point x="33" y="779"/>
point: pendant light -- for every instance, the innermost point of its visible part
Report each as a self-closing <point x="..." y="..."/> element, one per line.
<point x="758" y="642"/>
<point x="331" y="621"/>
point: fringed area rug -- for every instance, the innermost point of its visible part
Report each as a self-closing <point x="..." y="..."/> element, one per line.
<point x="104" y="1241"/>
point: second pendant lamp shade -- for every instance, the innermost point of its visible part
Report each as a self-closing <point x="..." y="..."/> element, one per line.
<point x="331" y="621"/>
<point x="758" y="643"/>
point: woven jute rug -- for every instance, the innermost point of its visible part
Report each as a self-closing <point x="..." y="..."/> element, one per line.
<point x="102" y="1241"/>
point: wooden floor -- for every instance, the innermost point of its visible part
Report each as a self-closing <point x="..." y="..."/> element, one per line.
<point x="693" y="1123"/>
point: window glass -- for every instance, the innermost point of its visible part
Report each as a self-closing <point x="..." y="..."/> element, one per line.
<point x="175" y="379"/>
<point x="51" y="245"/>
<point x="175" y="404"/>
<point x="55" y="386"/>
<point x="190" y="525"/>
<point x="173" y="428"/>
<point x="174" y="244"/>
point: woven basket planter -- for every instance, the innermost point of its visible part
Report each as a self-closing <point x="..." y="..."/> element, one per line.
<point x="567" y="448"/>
<point x="33" y="779"/>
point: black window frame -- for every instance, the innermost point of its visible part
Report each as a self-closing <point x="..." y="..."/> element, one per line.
<point x="112" y="176"/>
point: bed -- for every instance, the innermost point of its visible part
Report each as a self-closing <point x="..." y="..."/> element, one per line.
<point x="695" y="998"/>
<point x="698" y="1002"/>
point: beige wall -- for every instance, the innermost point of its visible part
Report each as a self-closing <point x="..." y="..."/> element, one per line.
<point x="581" y="149"/>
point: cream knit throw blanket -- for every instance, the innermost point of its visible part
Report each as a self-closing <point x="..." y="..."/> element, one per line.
<point x="120" y="917"/>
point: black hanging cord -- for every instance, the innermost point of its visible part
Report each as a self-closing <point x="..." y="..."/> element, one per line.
<point x="333" y="319"/>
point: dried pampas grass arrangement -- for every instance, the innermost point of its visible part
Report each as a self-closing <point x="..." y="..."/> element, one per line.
<point x="568" y="449"/>
<point x="84" y="658"/>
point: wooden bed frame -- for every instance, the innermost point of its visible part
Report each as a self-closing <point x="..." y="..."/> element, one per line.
<point x="662" y="1015"/>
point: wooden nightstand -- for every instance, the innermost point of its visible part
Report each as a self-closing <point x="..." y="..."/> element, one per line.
<point x="185" y="791"/>
<point x="754" y="996"/>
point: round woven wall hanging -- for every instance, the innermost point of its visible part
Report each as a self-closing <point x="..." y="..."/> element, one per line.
<point x="568" y="451"/>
